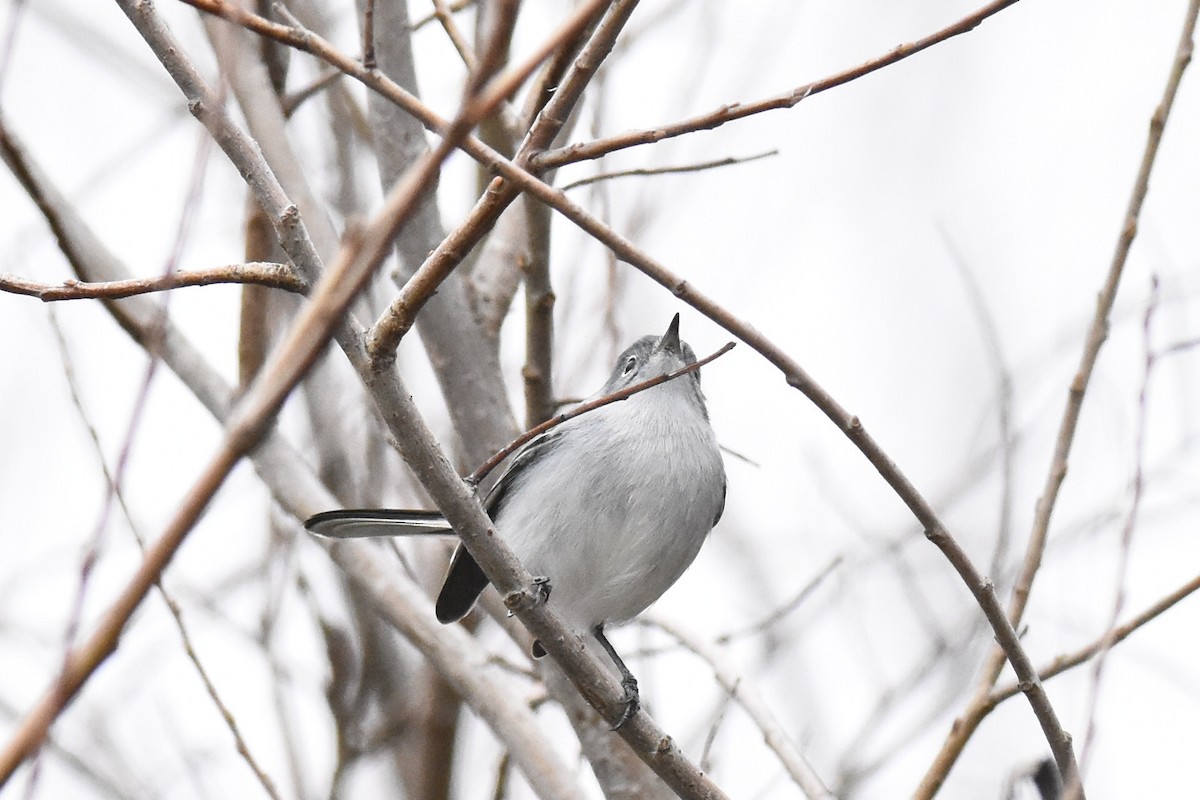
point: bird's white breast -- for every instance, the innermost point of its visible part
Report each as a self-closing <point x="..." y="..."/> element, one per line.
<point x="646" y="478"/>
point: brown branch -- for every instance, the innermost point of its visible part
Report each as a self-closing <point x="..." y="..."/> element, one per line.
<point x="978" y="707"/>
<point x="293" y="100"/>
<point x="277" y="276"/>
<point x="445" y="16"/>
<point x="1109" y="639"/>
<point x="294" y="486"/>
<point x="538" y="372"/>
<point x="700" y="167"/>
<point x="432" y="16"/>
<point x="585" y="151"/>
<point x="313" y="328"/>
<point x="250" y="420"/>
<point x="400" y="316"/>
<point x="583" y="408"/>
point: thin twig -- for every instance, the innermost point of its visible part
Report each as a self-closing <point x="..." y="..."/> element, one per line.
<point x="293" y="100"/>
<point x="727" y="113"/>
<point x="758" y="710"/>
<point x="1180" y="347"/>
<point x="1004" y="399"/>
<point x="777" y="614"/>
<point x="700" y="167"/>
<point x="1125" y="547"/>
<point x="444" y="15"/>
<point x="1108" y="639"/>
<point x="432" y="16"/>
<point x="230" y="721"/>
<point x="583" y="408"/>
<point x="977" y="708"/>
<point x="279" y="276"/>
<point x="95" y="545"/>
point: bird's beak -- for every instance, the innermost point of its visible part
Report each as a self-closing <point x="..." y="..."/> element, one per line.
<point x="670" y="339"/>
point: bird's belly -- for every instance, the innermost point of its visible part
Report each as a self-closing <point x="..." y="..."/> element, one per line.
<point x="638" y="536"/>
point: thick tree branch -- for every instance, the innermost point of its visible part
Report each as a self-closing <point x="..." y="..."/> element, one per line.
<point x="249" y="421"/>
<point x="454" y="653"/>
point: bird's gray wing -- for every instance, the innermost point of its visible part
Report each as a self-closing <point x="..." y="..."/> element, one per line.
<point x="358" y="523"/>
<point x="465" y="581"/>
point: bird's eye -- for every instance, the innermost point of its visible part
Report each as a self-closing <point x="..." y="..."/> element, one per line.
<point x="630" y="365"/>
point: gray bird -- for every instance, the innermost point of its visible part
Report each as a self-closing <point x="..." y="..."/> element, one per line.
<point x="609" y="508"/>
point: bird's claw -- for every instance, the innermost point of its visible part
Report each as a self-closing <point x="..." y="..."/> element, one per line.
<point x="541" y="588"/>
<point x="633" y="700"/>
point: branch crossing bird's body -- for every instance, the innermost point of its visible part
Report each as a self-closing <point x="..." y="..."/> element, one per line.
<point x="610" y="507"/>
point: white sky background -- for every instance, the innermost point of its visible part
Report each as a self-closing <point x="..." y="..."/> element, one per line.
<point x="1015" y="145"/>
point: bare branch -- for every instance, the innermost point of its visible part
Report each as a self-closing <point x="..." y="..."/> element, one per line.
<point x="1127" y="530"/>
<point x="293" y="100"/>
<point x="399" y="600"/>
<point x="445" y="16"/>
<point x="399" y="319"/>
<point x="801" y="772"/>
<point x="784" y="609"/>
<point x="230" y="721"/>
<point x="453" y="8"/>
<point x="977" y="709"/>
<point x="700" y="167"/>
<point x="278" y="276"/>
<point x="538" y="373"/>
<point x="727" y="113"/>
<point x="1108" y="639"/>
<point x="368" y="35"/>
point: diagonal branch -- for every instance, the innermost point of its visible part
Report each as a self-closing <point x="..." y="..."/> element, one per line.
<point x="298" y="490"/>
<point x="250" y="419"/>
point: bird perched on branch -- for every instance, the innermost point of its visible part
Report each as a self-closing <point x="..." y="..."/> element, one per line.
<point x="608" y="509"/>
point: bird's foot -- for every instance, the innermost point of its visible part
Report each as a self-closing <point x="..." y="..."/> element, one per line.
<point x="541" y="587"/>
<point x="633" y="700"/>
